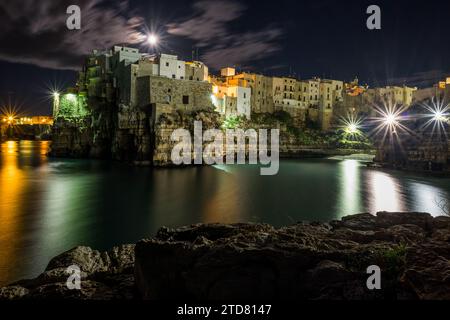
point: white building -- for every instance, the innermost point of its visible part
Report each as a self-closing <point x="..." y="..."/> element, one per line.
<point x="232" y="99"/>
<point x="196" y="71"/>
<point x="242" y="95"/>
<point x="171" y="67"/>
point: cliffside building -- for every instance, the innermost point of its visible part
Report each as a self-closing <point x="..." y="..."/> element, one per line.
<point x="391" y="94"/>
<point x="231" y="95"/>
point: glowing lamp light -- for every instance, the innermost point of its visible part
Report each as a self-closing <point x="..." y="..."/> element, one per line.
<point x="352" y="128"/>
<point x="439" y="116"/>
<point x="55" y="94"/>
<point x="152" y="39"/>
<point x="390" y="119"/>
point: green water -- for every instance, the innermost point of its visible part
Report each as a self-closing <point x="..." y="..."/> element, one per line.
<point x="48" y="206"/>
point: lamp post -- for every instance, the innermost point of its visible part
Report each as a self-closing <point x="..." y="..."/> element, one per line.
<point x="56" y="96"/>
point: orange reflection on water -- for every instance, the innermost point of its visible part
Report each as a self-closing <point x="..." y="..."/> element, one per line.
<point x="12" y="183"/>
<point x="44" y="148"/>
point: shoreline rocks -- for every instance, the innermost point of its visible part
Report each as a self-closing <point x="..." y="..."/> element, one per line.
<point x="257" y="261"/>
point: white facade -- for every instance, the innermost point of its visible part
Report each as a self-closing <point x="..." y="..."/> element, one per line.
<point x="171" y="67"/>
<point x="232" y="100"/>
<point x="196" y="71"/>
<point x="227" y="72"/>
<point x="129" y="55"/>
<point x="243" y="101"/>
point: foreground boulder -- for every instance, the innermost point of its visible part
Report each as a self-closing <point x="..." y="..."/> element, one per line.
<point x="258" y="261"/>
<point x="104" y="275"/>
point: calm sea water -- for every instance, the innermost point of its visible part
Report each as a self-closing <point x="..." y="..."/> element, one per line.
<point x="48" y="206"/>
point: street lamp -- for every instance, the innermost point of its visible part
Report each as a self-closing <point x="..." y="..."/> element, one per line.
<point x="390" y="119"/>
<point x="352" y="128"/>
<point x="439" y="116"/>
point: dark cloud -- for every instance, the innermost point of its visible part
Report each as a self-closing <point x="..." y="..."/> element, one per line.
<point x="35" y="31"/>
<point x="208" y="27"/>
<point x="420" y="79"/>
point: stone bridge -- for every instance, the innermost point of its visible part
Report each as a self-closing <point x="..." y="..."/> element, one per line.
<point x="25" y="131"/>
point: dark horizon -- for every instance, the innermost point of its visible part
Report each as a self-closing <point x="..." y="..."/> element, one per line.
<point x="326" y="38"/>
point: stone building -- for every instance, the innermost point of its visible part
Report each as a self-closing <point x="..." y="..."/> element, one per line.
<point x="287" y="97"/>
<point x="440" y="90"/>
<point x="313" y="99"/>
<point x="180" y="94"/>
<point x="196" y="71"/>
<point x="120" y="96"/>
<point x="321" y="96"/>
<point x="262" y="88"/>
<point x="391" y="94"/>
<point x="232" y="95"/>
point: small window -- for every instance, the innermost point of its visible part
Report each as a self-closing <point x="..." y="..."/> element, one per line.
<point x="167" y="64"/>
<point x="185" y="99"/>
<point x="173" y="76"/>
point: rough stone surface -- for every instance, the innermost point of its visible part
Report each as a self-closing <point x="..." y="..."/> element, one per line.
<point x="258" y="261"/>
<point x="104" y="275"/>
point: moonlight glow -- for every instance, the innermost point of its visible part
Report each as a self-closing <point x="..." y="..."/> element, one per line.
<point x="152" y="39"/>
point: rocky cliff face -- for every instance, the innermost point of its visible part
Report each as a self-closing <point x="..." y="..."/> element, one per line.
<point x="143" y="135"/>
<point x="168" y="122"/>
<point x="257" y="261"/>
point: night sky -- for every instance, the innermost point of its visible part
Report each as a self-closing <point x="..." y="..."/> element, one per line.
<point x="325" y="38"/>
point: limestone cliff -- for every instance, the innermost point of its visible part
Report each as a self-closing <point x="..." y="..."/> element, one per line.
<point x="143" y="135"/>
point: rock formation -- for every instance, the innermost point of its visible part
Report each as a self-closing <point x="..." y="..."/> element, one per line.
<point x="258" y="261"/>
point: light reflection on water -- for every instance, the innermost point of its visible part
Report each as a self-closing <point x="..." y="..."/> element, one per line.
<point x="48" y="206"/>
<point x="386" y="193"/>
